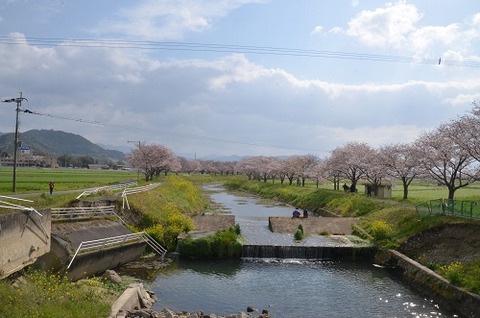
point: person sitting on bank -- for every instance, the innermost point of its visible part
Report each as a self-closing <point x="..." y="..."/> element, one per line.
<point x="305" y="213"/>
<point x="296" y="213"/>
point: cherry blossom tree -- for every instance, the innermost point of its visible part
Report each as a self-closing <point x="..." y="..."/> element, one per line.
<point x="150" y="160"/>
<point x="318" y="172"/>
<point x="465" y="131"/>
<point x="444" y="160"/>
<point x="247" y="167"/>
<point x="350" y="162"/>
<point x="306" y="165"/>
<point x="375" y="172"/>
<point x="290" y="169"/>
<point x="189" y="166"/>
<point x="400" y="162"/>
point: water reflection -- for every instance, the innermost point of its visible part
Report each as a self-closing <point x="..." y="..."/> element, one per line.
<point x="291" y="288"/>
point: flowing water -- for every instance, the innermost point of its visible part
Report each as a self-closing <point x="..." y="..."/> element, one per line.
<point x="288" y="287"/>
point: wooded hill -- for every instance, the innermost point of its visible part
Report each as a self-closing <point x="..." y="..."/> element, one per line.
<point x="58" y="143"/>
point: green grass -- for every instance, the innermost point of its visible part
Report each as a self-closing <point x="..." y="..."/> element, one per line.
<point x="39" y="294"/>
<point x="30" y="180"/>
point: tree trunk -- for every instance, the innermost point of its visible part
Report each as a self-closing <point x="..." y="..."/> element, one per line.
<point x="451" y="192"/>
<point x="405" y="188"/>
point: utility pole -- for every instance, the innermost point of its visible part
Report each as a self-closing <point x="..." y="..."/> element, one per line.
<point x="139" y="143"/>
<point x="17" y="100"/>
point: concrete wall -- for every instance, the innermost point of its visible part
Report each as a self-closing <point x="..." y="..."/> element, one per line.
<point x="24" y="236"/>
<point x="216" y="222"/>
<point x="96" y="263"/>
<point x="312" y="225"/>
<point x="67" y="236"/>
<point x="433" y="285"/>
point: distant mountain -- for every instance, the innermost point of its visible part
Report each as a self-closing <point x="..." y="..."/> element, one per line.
<point x="58" y="143"/>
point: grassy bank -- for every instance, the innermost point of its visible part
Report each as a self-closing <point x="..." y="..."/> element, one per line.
<point x="165" y="212"/>
<point x="38" y="294"/>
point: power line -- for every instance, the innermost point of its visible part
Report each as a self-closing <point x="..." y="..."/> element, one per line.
<point x="226" y="48"/>
<point x="165" y="132"/>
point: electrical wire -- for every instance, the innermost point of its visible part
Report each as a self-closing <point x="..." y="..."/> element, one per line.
<point x="163" y="132"/>
<point x="226" y="48"/>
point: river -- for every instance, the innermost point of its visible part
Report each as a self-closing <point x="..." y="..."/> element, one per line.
<point x="286" y="288"/>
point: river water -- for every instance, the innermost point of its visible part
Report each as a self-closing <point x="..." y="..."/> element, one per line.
<point x="286" y="288"/>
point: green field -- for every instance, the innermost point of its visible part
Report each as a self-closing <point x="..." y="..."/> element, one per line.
<point x="30" y="180"/>
<point x="421" y="191"/>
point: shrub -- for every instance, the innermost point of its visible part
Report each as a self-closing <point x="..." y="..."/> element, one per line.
<point x="298" y="235"/>
<point x="452" y="272"/>
<point x="300" y="227"/>
<point x="222" y="244"/>
<point x="381" y="230"/>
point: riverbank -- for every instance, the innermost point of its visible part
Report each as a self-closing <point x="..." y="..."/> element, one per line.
<point x="136" y="302"/>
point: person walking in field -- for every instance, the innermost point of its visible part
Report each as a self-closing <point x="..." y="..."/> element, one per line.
<point x="51" y="186"/>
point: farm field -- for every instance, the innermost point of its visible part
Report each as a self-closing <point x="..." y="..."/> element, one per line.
<point x="37" y="179"/>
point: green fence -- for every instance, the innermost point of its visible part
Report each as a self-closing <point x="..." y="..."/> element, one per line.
<point x="466" y="209"/>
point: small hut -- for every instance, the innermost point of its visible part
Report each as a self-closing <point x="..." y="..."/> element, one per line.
<point x="384" y="191"/>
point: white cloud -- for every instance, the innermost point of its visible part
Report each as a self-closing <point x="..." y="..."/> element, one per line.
<point x="168" y="20"/>
<point x="186" y="104"/>
<point x="398" y="26"/>
<point x="317" y="30"/>
<point x="388" y="26"/>
<point x="462" y="99"/>
<point x="476" y="20"/>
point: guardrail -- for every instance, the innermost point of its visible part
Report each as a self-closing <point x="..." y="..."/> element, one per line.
<point x="136" y="190"/>
<point x="107" y="188"/>
<point x="465" y="209"/>
<point x="82" y="213"/>
<point x="9" y="205"/>
<point x="99" y="245"/>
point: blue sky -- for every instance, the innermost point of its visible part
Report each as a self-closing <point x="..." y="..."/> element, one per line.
<point x="263" y="78"/>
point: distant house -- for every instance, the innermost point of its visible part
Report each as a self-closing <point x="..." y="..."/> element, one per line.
<point x="25" y="158"/>
<point x="24" y="151"/>
<point x="98" y="167"/>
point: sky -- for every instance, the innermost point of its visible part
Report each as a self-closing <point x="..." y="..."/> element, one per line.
<point x="239" y="77"/>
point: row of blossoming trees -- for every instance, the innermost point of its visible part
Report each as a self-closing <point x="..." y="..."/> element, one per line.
<point x="448" y="155"/>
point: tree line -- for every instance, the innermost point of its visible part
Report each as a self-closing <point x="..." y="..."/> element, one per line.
<point x="449" y="155"/>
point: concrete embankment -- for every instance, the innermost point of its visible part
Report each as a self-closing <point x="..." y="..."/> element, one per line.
<point x="24" y="237"/>
<point x="67" y="237"/>
<point x="313" y="225"/>
<point x="433" y="285"/>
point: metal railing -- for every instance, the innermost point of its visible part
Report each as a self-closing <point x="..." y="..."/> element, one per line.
<point x="12" y="206"/>
<point x="82" y="213"/>
<point x="136" y="190"/>
<point x="107" y="243"/>
<point x="108" y="188"/>
<point x="465" y="209"/>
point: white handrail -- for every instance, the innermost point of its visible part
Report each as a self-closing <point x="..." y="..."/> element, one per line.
<point x="136" y="190"/>
<point x="117" y="241"/>
<point x="71" y="213"/>
<point x="110" y="187"/>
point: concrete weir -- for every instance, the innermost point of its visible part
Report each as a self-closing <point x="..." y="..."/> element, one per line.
<point x="325" y="239"/>
<point x="331" y="253"/>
